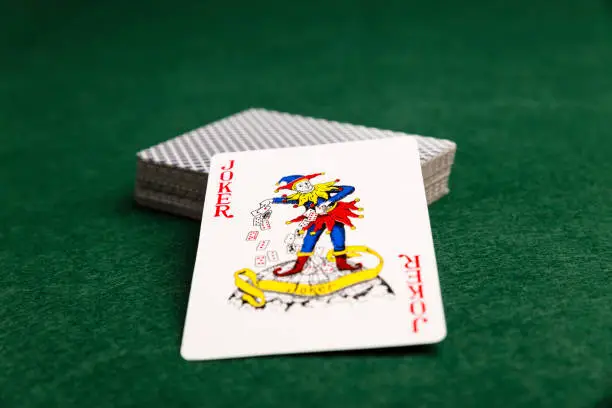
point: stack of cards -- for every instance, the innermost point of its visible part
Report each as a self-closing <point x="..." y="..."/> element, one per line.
<point x="311" y="249"/>
<point x="172" y="176"/>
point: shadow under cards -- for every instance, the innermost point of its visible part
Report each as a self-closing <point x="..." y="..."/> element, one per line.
<point x="404" y="351"/>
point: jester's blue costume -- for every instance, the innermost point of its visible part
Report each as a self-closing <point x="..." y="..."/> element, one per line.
<point x="335" y="218"/>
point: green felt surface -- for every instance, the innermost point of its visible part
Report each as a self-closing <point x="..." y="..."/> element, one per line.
<point x="94" y="289"/>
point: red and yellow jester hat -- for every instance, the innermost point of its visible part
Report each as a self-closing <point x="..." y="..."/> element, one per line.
<point x="293" y="179"/>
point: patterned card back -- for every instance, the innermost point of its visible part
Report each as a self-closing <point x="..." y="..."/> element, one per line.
<point x="171" y="176"/>
<point x="256" y="129"/>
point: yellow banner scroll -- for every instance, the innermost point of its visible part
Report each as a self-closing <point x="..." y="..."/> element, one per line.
<point x="253" y="288"/>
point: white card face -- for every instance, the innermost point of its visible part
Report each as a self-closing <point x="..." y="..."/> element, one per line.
<point x="358" y="274"/>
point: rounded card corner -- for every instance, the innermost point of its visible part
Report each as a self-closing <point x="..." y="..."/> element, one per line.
<point x="441" y="336"/>
<point x="215" y="157"/>
<point x="186" y="354"/>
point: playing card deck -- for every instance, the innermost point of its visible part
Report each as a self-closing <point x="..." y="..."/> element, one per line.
<point x="347" y="260"/>
<point x="172" y="176"/>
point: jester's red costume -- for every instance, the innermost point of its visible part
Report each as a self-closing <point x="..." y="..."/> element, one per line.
<point x="338" y="215"/>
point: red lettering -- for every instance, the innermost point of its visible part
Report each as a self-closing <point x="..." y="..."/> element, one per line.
<point x="415" y="274"/>
<point x="223" y="209"/>
<point x="231" y="166"/>
<point x="421" y="305"/>
<point x="409" y="261"/>
<point x="223" y="196"/>
<point x="417" y="307"/>
<point x="231" y="175"/>
<point x="416" y="292"/>
<point x="224" y="187"/>
<point x="415" y="323"/>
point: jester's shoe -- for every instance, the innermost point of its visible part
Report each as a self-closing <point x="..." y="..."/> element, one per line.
<point x="343" y="265"/>
<point x="297" y="267"/>
<point x="323" y="280"/>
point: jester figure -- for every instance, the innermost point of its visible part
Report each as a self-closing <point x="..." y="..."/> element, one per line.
<point x="332" y="216"/>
